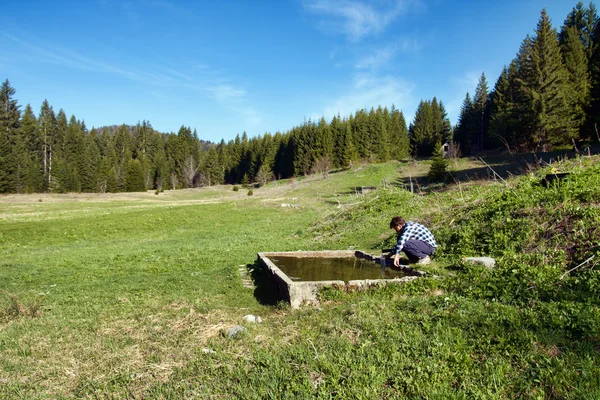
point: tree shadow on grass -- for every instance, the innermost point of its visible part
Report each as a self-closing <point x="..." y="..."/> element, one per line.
<point x="499" y="166"/>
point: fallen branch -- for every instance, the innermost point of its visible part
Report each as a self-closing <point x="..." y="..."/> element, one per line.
<point x="573" y="269"/>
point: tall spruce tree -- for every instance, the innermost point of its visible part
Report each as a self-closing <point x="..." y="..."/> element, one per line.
<point x="421" y="131"/>
<point x="48" y="128"/>
<point x="400" y="144"/>
<point x="9" y="131"/>
<point x="543" y="100"/>
<point x="463" y="130"/>
<point x="134" y="176"/>
<point x="503" y="128"/>
<point x="481" y="115"/>
<point x="576" y="65"/>
<point x="31" y="137"/>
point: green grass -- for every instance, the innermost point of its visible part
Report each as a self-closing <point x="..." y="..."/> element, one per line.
<point x="119" y="296"/>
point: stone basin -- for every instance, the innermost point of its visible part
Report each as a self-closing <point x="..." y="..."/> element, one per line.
<point x="298" y="292"/>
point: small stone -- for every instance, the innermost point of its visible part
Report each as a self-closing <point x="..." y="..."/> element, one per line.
<point x="487" y="262"/>
<point x="252" y="319"/>
<point x="208" y="351"/>
<point x="236" y="331"/>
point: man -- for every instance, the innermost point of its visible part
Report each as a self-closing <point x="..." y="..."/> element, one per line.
<point x="414" y="240"/>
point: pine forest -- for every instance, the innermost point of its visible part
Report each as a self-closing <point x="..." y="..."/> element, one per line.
<point x="547" y="97"/>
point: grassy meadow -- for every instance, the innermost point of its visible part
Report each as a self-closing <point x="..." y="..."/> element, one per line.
<point x="128" y="295"/>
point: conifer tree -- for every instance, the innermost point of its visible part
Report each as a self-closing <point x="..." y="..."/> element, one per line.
<point x="91" y="165"/>
<point x="553" y="121"/>
<point x="462" y="132"/>
<point x="400" y="144"/>
<point x="594" y="69"/>
<point x="48" y="128"/>
<point x="9" y="131"/>
<point x="31" y="138"/>
<point x="480" y="114"/>
<point x="342" y="152"/>
<point x="438" y="172"/>
<point x="503" y="126"/>
<point x="380" y="140"/>
<point x="421" y="131"/>
<point x="576" y="65"/>
<point x="212" y="170"/>
<point x="134" y="177"/>
<point x="542" y="97"/>
<point x="325" y="139"/>
<point x="22" y="175"/>
<point x="5" y="163"/>
<point x="360" y="134"/>
<point x="9" y="111"/>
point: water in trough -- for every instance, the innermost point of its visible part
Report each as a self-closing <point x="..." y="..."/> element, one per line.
<point x="329" y="269"/>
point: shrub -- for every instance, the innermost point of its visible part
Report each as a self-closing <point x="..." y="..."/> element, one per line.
<point x="250" y="192"/>
<point x="236" y="188"/>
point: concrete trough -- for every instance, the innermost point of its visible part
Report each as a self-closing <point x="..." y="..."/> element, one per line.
<point x="298" y="293"/>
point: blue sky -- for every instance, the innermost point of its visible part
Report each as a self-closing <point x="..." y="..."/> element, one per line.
<point x="224" y="67"/>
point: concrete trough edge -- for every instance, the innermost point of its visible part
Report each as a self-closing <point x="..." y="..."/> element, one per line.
<point x="298" y="293"/>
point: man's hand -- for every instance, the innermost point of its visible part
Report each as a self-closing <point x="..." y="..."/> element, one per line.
<point x="397" y="260"/>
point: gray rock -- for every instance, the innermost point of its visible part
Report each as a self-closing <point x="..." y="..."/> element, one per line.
<point x="208" y="351"/>
<point x="236" y="331"/>
<point x="487" y="262"/>
<point x="252" y="319"/>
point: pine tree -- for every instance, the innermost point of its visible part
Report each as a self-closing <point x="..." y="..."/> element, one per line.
<point x="463" y="131"/>
<point x="576" y="64"/>
<point x="543" y="88"/>
<point x="421" y="131"/>
<point x="9" y="111"/>
<point x="343" y="148"/>
<point x="134" y="177"/>
<point x="380" y="142"/>
<point x="91" y="165"/>
<point x="438" y="172"/>
<point x="31" y="138"/>
<point x="400" y="144"/>
<point x="48" y="128"/>
<point x="9" y="131"/>
<point x="264" y="175"/>
<point x="503" y="126"/>
<point x="360" y="134"/>
<point x="481" y="112"/>
<point x="5" y="163"/>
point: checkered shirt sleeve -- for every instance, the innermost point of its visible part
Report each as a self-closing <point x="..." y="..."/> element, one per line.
<point x="413" y="231"/>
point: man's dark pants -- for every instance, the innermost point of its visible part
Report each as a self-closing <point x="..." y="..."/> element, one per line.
<point x="415" y="249"/>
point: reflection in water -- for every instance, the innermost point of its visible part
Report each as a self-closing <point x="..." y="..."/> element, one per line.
<point x="330" y="269"/>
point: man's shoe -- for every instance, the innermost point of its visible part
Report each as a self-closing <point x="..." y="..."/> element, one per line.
<point x="424" y="261"/>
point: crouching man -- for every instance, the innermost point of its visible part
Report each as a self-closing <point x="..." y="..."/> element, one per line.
<point x="414" y="240"/>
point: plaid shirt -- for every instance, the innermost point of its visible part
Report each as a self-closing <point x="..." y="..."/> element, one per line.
<point x="413" y="231"/>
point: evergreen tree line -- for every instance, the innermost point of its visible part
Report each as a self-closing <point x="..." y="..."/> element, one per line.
<point x="547" y="97"/>
<point x="49" y="152"/>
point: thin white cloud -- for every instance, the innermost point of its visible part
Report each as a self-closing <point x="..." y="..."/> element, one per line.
<point x="227" y="92"/>
<point x="357" y="19"/>
<point x="377" y="58"/>
<point x="202" y="78"/>
<point x="372" y="91"/>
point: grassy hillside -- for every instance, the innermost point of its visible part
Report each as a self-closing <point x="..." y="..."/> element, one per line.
<point x="128" y="295"/>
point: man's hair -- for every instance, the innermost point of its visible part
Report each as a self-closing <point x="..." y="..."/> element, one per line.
<point x="396" y="221"/>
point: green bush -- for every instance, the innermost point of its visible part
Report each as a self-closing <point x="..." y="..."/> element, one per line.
<point x="236" y="188"/>
<point x="250" y="192"/>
